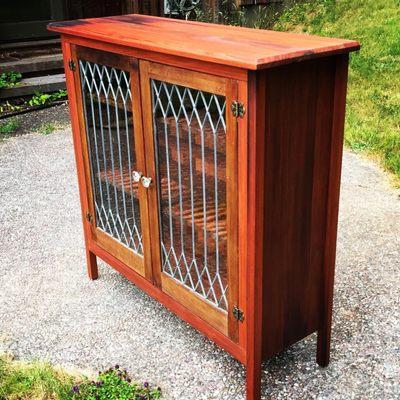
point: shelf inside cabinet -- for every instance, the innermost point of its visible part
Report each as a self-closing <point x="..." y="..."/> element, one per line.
<point x="192" y="207"/>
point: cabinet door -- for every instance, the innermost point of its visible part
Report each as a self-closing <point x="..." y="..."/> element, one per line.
<point x="111" y="132"/>
<point x="191" y="143"/>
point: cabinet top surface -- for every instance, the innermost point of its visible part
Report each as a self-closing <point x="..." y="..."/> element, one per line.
<point x="240" y="47"/>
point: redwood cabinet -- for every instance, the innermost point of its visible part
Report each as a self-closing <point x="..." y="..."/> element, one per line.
<point x="209" y="167"/>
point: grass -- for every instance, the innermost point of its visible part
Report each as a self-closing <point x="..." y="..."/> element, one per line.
<point x="36" y="381"/>
<point x="373" y="105"/>
<point x="8" y="126"/>
<point x="47" y="129"/>
<point x="40" y="381"/>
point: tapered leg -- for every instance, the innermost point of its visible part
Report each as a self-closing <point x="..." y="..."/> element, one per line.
<point x="324" y="346"/>
<point x="338" y="112"/>
<point x="324" y="333"/>
<point x="253" y="381"/>
<point x="92" y="268"/>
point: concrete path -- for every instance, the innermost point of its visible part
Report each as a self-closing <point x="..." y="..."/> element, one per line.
<point x="50" y="310"/>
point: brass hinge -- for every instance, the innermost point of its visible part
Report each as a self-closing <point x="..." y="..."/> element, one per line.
<point x="89" y="217"/>
<point x="238" y="314"/>
<point x="71" y="65"/>
<point x="238" y="109"/>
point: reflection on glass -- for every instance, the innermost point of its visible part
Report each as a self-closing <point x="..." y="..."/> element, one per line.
<point x="190" y="141"/>
<point x="109" y="124"/>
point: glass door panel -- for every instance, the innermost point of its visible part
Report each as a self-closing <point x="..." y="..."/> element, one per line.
<point x="190" y="141"/>
<point x="108" y="118"/>
<point x="192" y="133"/>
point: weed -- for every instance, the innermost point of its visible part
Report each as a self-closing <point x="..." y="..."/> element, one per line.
<point x="9" y="107"/>
<point x="32" y="381"/>
<point x="41" y="381"/>
<point x="114" y="384"/>
<point x="48" y="128"/>
<point x="9" y="79"/>
<point x="8" y="126"/>
<point x="40" y="99"/>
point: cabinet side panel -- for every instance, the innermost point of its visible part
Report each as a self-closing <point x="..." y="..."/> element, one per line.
<point x="298" y="135"/>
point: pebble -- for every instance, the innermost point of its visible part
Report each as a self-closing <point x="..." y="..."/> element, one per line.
<point x="51" y="311"/>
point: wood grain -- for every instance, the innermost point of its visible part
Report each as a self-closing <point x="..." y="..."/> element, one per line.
<point x="243" y="170"/>
<point x="300" y="117"/>
<point x="74" y="112"/>
<point x="255" y="233"/>
<point x="152" y="198"/>
<point x="215" y="317"/>
<point x="106" y="241"/>
<point x="226" y="71"/>
<point x="231" y="173"/>
<point x="140" y="154"/>
<point x="333" y="189"/>
<point x="210" y="84"/>
<point x="235" y="46"/>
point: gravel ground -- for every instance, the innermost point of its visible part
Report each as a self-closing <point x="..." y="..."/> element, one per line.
<point x="50" y="310"/>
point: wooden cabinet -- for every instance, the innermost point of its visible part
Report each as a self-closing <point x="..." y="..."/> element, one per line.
<point x="209" y="170"/>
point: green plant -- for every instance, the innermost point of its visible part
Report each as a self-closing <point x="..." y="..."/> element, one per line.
<point x="61" y="94"/>
<point x="9" y="79"/>
<point x="229" y="13"/>
<point x="48" y="128"/>
<point x="114" y="384"/>
<point x="40" y="381"/>
<point x="7" y="106"/>
<point x="33" y="381"/>
<point x="40" y="99"/>
<point x="8" y="126"/>
<point x="182" y="7"/>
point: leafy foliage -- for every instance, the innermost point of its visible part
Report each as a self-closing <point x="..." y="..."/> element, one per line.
<point x="114" y="384"/>
<point x="182" y="7"/>
<point x="9" y="79"/>
<point x="41" y="381"/>
<point x="40" y="99"/>
<point x="48" y="128"/>
<point x="8" y="106"/>
<point x="37" y="100"/>
<point x="230" y="13"/>
<point x="8" y="126"/>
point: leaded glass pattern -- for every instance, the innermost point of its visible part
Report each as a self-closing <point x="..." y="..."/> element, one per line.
<point x="190" y="142"/>
<point x="107" y="103"/>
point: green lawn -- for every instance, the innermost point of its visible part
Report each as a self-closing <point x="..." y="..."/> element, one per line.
<point x="373" y="107"/>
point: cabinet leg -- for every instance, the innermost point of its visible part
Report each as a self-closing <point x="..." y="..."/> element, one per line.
<point x="253" y="382"/>
<point x="324" y="346"/>
<point x="92" y="268"/>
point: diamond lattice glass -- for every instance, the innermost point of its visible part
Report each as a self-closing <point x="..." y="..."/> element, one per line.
<point x="190" y="141"/>
<point x="107" y="102"/>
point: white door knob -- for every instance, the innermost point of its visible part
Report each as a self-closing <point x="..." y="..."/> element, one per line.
<point x="136" y="175"/>
<point x="146" y="181"/>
